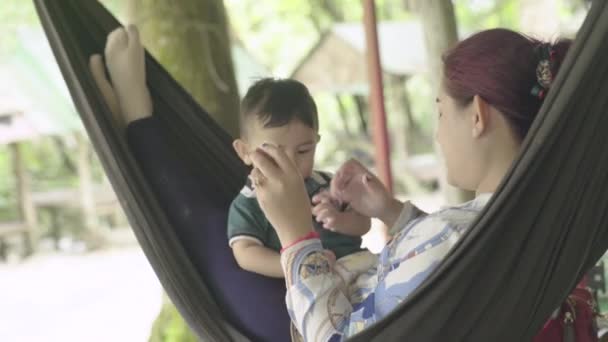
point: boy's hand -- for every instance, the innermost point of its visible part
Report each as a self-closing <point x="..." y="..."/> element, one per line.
<point x="125" y="59"/>
<point x="347" y="222"/>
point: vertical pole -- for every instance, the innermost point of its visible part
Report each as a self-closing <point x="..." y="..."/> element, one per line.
<point x="380" y="132"/>
<point x="27" y="210"/>
<point x="87" y="197"/>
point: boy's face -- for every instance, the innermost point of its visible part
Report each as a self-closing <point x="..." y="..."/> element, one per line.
<point x="297" y="140"/>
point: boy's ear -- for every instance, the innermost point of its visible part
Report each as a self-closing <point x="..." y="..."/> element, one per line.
<point x="242" y="149"/>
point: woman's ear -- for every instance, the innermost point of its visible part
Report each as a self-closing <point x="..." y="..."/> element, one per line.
<point x="242" y="149"/>
<point x="481" y="116"/>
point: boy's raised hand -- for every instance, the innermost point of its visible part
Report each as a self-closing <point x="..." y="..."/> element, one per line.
<point x="349" y="222"/>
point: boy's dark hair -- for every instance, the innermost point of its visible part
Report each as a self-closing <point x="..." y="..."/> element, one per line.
<point x="276" y="102"/>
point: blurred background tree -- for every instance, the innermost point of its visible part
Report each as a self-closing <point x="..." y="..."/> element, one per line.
<point x="192" y="40"/>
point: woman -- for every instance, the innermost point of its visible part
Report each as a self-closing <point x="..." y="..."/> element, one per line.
<point x="493" y="86"/>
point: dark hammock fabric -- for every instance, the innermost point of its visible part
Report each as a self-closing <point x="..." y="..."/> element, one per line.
<point x="542" y="230"/>
<point x="253" y="303"/>
<point x="179" y="211"/>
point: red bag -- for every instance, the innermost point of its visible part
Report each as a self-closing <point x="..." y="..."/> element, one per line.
<point x="574" y="321"/>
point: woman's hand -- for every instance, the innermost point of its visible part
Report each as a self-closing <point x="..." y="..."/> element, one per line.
<point x="364" y="192"/>
<point x="349" y="222"/>
<point x="281" y="193"/>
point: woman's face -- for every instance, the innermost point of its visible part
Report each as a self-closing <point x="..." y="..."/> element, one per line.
<point x="455" y="138"/>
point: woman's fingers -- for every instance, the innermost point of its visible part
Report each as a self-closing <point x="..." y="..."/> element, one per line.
<point x="280" y="158"/>
<point x="257" y="178"/>
<point x="345" y="175"/>
<point x="344" y="184"/>
<point x="273" y="161"/>
<point x="265" y="164"/>
<point x="340" y="180"/>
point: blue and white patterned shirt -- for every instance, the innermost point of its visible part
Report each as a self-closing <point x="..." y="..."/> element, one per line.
<point x="331" y="302"/>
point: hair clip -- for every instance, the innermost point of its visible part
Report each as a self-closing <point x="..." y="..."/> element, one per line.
<point x="544" y="73"/>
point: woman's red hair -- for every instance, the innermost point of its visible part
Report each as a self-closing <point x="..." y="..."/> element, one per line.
<point x="500" y="66"/>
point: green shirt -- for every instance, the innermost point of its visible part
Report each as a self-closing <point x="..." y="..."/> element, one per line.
<point x="246" y="220"/>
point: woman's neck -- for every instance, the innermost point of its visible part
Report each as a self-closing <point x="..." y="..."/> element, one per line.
<point x="498" y="166"/>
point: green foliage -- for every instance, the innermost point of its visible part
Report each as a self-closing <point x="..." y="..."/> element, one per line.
<point x="475" y="15"/>
<point x="281" y="32"/>
<point x="14" y="14"/>
<point x="169" y="326"/>
<point x="117" y="7"/>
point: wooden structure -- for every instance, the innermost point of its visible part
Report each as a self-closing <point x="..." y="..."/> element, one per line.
<point x="34" y="102"/>
<point x="101" y="201"/>
<point x="13" y="127"/>
<point x="337" y="63"/>
<point x="93" y="200"/>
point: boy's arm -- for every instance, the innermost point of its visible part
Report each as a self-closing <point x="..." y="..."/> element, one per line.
<point x="256" y="258"/>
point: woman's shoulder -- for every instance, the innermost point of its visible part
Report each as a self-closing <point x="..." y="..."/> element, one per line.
<point x="452" y="217"/>
<point x="457" y="216"/>
<point x="443" y="227"/>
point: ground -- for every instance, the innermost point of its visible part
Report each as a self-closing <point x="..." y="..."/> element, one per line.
<point x="110" y="295"/>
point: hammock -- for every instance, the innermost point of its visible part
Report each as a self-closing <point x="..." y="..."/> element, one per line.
<point x="176" y="175"/>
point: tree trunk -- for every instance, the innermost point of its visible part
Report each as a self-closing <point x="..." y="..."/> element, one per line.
<point x="440" y="33"/>
<point x="361" y="104"/>
<point x="403" y="107"/>
<point x="343" y="114"/>
<point x="93" y="235"/>
<point x="27" y="210"/>
<point x="191" y="39"/>
<point x="403" y="99"/>
<point x="417" y="140"/>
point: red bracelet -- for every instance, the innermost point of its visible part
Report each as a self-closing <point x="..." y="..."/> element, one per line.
<point x="309" y="236"/>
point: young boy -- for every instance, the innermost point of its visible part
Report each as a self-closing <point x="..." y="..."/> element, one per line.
<point x="282" y="112"/>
